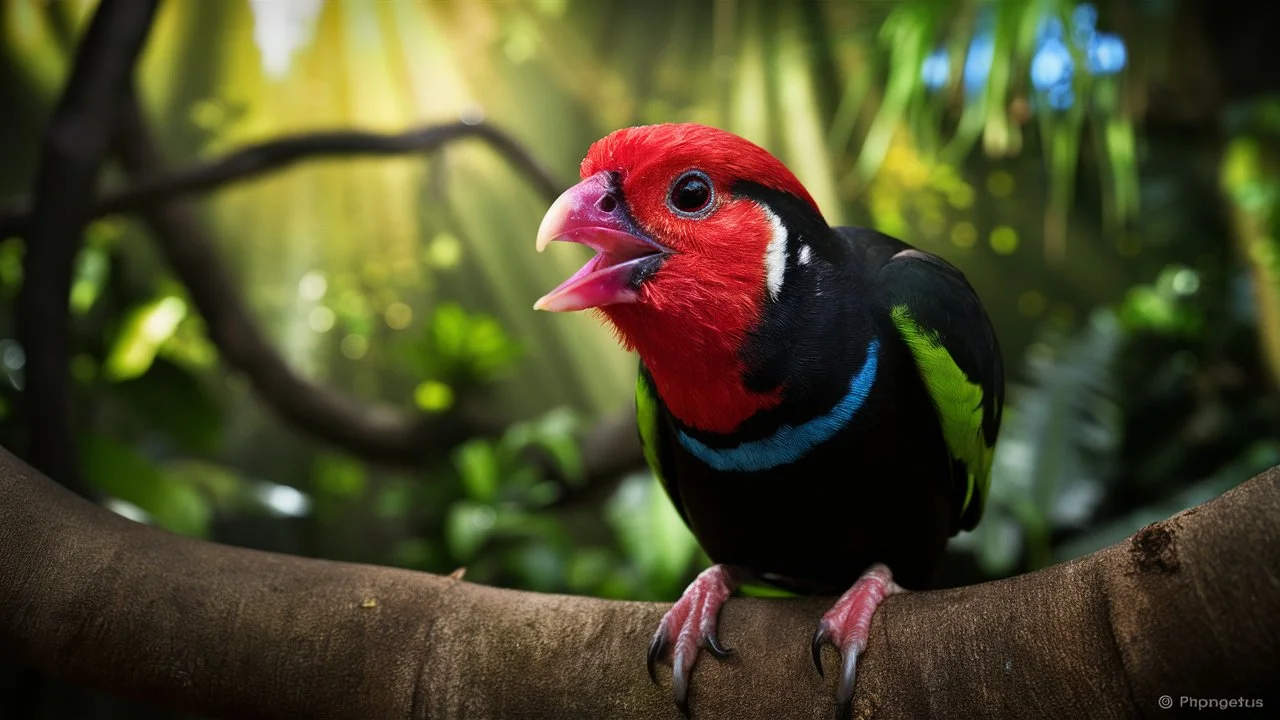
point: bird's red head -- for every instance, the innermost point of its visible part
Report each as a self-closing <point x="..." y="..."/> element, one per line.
<point x="684" y="260"/>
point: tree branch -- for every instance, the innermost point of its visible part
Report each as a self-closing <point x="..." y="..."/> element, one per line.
<point x="1189" y="606"/>
<point x="379" y="433"/>
<point x="373" y="432"/>
<point x="75" y="145"/>
<point x="277" y="154"/>
<point x="376" y="433"/>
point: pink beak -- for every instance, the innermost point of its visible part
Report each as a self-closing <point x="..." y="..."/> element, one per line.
<point x="591" y="213"/>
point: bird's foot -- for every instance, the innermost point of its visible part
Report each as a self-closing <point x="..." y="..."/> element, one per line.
<point x="690" y="624"/>
<point x="848" y="623"/>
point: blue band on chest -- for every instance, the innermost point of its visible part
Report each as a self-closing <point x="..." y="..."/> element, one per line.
<point x="790" y="443"/>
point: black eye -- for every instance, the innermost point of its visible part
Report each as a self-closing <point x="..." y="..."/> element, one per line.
<point x="691" y="194"/>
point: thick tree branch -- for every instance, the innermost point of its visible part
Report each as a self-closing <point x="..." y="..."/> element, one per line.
<point x="280" y="153"/>
<point x="74" y="148"/>
<point x="1189" y="606"/>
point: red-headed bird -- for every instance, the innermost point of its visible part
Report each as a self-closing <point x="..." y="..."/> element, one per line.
<point x="821" y="404"/>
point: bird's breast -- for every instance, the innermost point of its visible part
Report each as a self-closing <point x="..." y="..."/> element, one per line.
<point x="789" y="442"/>
<point x="863" y="480"/>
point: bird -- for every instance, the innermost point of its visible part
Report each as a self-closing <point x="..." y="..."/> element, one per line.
<point x="821" y="404"/>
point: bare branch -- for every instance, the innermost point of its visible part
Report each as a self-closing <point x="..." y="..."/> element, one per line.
<point x="374" y="432"/>
<point x="377" y="433"/>
<point x="280" y="153"/>
<point x="1189" y="606"/>
<point x="75" y="146"/>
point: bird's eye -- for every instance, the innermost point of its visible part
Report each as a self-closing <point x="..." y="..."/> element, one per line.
<point x="691" y="195"/>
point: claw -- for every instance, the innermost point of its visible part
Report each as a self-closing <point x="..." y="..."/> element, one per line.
<point x="715" y="648"/>
<point x="680" y="685"/>
<point x="848" y="671"/>
<point x="847" y="625"/>
<point x="657" y="648"/>
<point x="689" y="626"/>
<point x="820" y="636"/>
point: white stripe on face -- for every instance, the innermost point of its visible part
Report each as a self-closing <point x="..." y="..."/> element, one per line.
<point x="775" y="255"/>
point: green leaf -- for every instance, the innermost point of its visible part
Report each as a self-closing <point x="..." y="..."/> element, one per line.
<point x="477" y="463"/>
<point x="145" y="328"/>
<point x="555" y="432"/>
<point x="467" y="527"/>
<point x="1166" y="305"/>
<point x="189" y="346"/>
<point x="90" y="276"/>
<point x="122" y="472"/>
<point x="459" y="348"/>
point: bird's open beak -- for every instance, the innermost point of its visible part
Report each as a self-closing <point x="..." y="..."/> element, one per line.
<point x="591" y="213"/>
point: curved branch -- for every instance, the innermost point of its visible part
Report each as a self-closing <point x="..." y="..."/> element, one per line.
<point x="75" y="145"/>
<point x="374" y="432"/>
<point x="379" y="433"/>
<point x="1189" y="606"/>
<point x="277" y="154"/>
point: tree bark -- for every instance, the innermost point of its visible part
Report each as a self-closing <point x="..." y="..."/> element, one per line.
<point x="1186" y="607"/>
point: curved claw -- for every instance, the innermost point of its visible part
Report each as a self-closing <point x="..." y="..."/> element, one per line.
<point x="848" y="670"/>
<point x="715" y="648"/>
<point x="689" y="626"/>
<point x="847" y="625"/>
<point x="680" y="688"/>
<point x="820" y="636"/>
<point x="657" y="647"/>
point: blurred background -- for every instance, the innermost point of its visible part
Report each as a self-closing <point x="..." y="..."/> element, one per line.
<point x="1105" y="174"/>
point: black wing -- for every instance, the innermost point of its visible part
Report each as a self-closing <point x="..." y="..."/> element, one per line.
<point x="942" y="321"/>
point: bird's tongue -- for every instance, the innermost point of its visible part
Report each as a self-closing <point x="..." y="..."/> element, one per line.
<point x="602" y="281"/>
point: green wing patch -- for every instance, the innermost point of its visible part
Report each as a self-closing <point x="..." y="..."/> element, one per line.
<point x="655" y="437"/>
<point x="647" y="422"/>
<point x="958" y="399"/>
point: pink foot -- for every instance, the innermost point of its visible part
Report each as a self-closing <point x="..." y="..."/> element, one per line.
<point x="690" y="624"/>
<point x="848" y="623"/>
